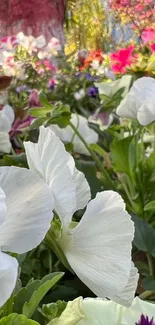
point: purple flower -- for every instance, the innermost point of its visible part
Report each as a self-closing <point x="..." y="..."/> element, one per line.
<point x="144" y="320"/>
<point x="52" y="84"/>
<point x="89" y="77"/>
<point x="92" y="91"/>
<point x="23" y="88"/>
<point x="20" y="124"/>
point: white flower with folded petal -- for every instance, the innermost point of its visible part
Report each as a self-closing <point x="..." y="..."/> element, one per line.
<point x="68" y="135"/>
<point x="98" y="249"/>
<point x="6" y="119"/>
<point x="109" y="88"/>
<point x="69" y="186"/>
<point x="26" y="206"/>
<point x="103" y="312"/>
<point x="140" y="102"/>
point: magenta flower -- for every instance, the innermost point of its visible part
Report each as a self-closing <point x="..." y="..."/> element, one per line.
<point x="152" y="47"/>
<point x="122" y="59"/>
<point x="34" y="98"/>
<point x="148" y="35"/>
<point x="20" y="124"/>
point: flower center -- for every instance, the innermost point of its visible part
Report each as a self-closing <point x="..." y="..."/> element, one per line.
<point x="144" y="320"/>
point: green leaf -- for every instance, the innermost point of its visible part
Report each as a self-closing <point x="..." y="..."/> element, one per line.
<point x="149" y="283"/>
<point x="37" y="122"/>
<point x="25" y="294"/>
<point x="96" y="148"/>
<point x="44" y="101"/>
<point x="39" y="111"/>
<point x="7" y="308"/>
<point x="53" y="310"/>
<point x="60" y="115"/>
<point x="150" y="206"/>
<point x="48" y="282"/>
<point x="15" y="319"/>
<point x="144" y="236"/>
<point x="89" y="170"/>
<point x="123" y="154"/>
<point x="14" y="160"/>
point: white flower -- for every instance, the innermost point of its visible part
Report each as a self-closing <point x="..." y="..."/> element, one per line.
<point x="109" y="88"/>
<point x="103" y="312"/>
<point x="71" y="315"/>
<point x="6" y="120"/>
<point x="30" y="43"/>
<point x="54" y="44"/>
<point x="95" y="65"/>
<point x="98" y="249"/>
<point x="140" y="101"/>
<point x="68" y="135"/>
<point x="69" y="187"/>
<point x="26" y="206"/>
<point x="148" y="151"/>
<point x="79" y="94"/>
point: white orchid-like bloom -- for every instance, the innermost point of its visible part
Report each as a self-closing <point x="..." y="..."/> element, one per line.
<point x="68" y="135"/>
<point x="30" y="43"/>
<point x="79" y="94"/>
<point x="91" y="311"/>
<point x="140" y="102"/>
<point x="52" y="48"/>
<point x="26" y="206"/>
<point x="109" y="88"/>
<point x="98" y="249"/>
<point x="6" y="119"/>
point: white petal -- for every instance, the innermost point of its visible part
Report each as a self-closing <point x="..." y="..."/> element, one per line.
<point x="68" y="135"/>
<point x="127" y="108"/>
<point x="29" y="209"/>
<point x="100" y="312"/>
<point x="99" y="248"/>
<point x="89" y="135"/>
<point x="127" y="296"/>
<point x="8" y="276"/>
<point x="132" y="315"/>
<point x="52" y="160"/>
<point x="6" y="118"/>
<point x="146" y="113"/>
<point x="33" y="157"/>
<point x="40" y="41"/>
<point x="83" y="194"/>
<point x="64" y="135"/>
<point x="5" y="144"/>
<point x="3" y="208"/>
<point x="71" y="315"/>
<point x="110" y="88"/>
<point x="143" y="90"/>
<point x="9" y="113"/>
<point x="140" y="101"/>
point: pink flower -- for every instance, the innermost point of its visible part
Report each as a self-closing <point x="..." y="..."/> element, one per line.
<point x="8" y="43"/>
<point x="148" y="34"/>
<point x="122" y="59"/>
<point x="49" y="66"/>
<point x="152" y="47"/>
<point x="34" y="98"/>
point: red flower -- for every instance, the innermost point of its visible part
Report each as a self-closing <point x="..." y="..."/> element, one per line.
<point x="93" y="55"/>
<point x="152" y="47"/>
<point x="122" y="59"/>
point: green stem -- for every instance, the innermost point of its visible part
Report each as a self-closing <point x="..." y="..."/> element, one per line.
<point x="150" y="264"/>
<point x="146" y="294"/>
<point x="100" y="166"/>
